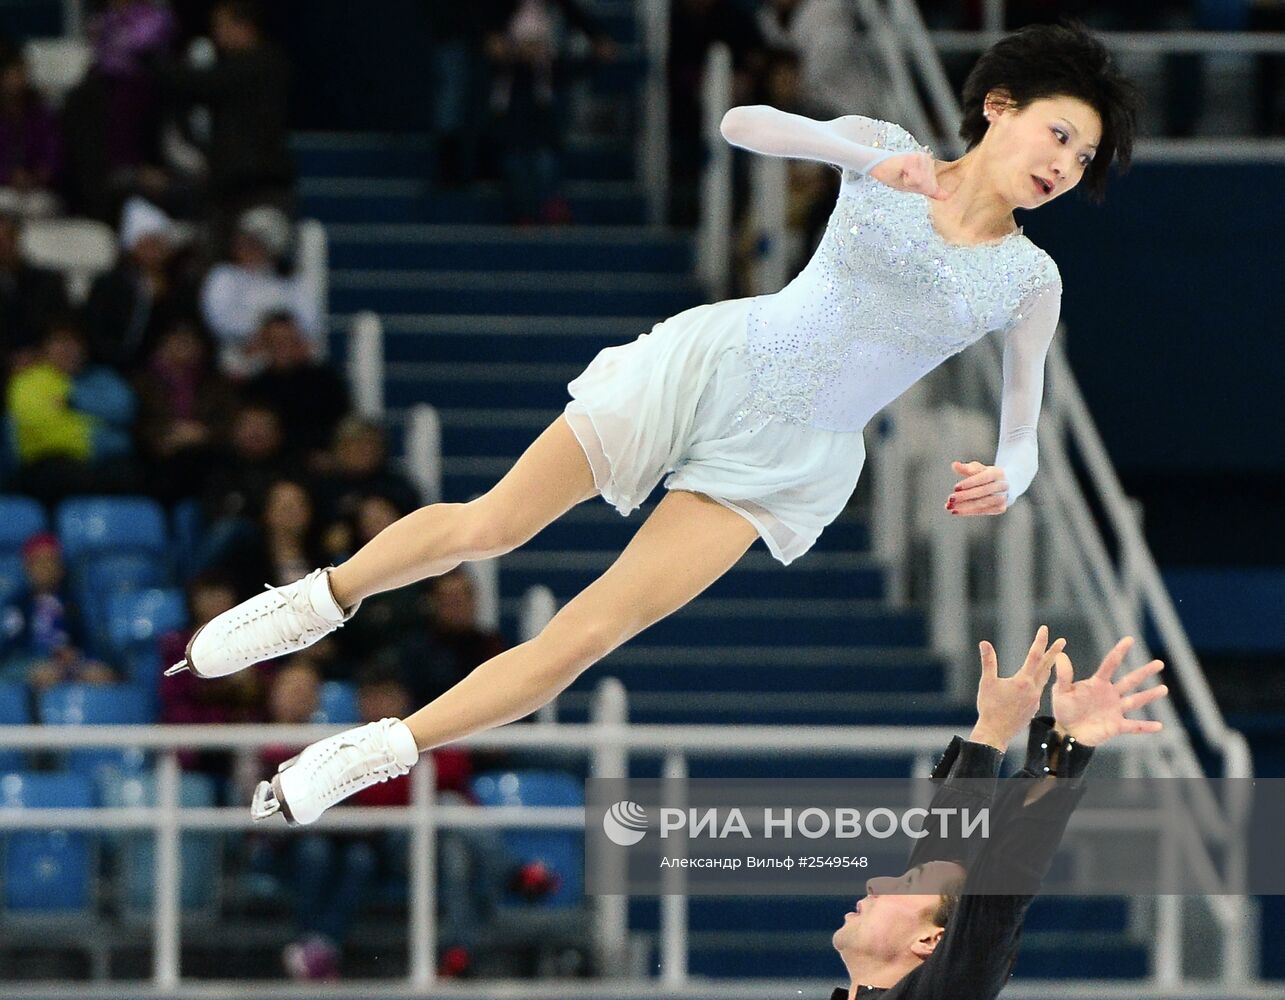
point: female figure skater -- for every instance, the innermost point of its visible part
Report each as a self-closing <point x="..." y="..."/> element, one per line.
<point x="753" y="407"/>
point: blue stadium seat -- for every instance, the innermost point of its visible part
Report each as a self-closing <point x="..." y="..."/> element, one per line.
<point x="188" y="526"/>
<point x="20" y="518"/>
<point x="48" y="871"/>
<point x="562" y="851"/>
<point x="12" y="578"/>
<point x="200" y="854"/>
<point x="15" y="710"/>
<point x="100" y="577"/>
<point x="140" y="617"/>
<point x="98" y="705"/>
<point x="111" y="524"/>
<point x="338" y="704"/>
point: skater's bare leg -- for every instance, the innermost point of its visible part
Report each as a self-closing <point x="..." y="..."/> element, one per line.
<point x="551" y="477"/>
<point x="688" y="542"/>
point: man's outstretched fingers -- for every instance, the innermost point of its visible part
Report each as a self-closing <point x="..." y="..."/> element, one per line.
<point x="1111" y="662"/>
<point x="1065" y="672"/>
<point x="1136" y="701"/>
<point x="990" y="662"/>
<point x="1143" y="726"/>
<point x="1135" y="677"/>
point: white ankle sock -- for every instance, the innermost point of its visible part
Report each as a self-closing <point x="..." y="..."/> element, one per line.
<point x="323" y="601"/>
<point x="403" y="743"/>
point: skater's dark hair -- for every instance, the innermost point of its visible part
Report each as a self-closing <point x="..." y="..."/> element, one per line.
<point x="1058" y="60"/>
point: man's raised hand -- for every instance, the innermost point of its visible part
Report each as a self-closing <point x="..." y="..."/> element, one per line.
<point x="1094" y="710"/>
<point x="1006" y="704"/>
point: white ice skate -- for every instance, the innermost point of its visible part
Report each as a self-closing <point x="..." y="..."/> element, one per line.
<point x="339" y="766"/>
<point x="279" y="621"/>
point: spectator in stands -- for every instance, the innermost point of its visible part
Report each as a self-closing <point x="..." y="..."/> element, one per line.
<point x="529" y="66"/>
<point x="185" y="407"/>
<point x="694" y="27"/>
<point x="30" y="140"/>
<point x="840" y="74"/>
<point x="72" y="421"/>
<point x="255" y="458"/>
<point x="183" y="700"/>
<point x="357" y="466"/>
<point x="452" y="642"/>
<point x="247" y="92"/>
<point x="113" y="118"/>
<point x="236" y="295"/>
<point x="29" y="295"/>
<point x="285" y="537"/>
<point x="148" y="290"/>
<point x="456" y="30"/>
<point x="40" y="627"/>
<point x="310" y="396"/>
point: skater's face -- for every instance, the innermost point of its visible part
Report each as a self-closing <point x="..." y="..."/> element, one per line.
<point x="1041" y="151"/>
<point x="896" y="922"/>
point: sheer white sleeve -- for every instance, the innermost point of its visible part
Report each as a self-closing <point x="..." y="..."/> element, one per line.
<point x="1026" y="345"/>
<point x="852" y="142"/>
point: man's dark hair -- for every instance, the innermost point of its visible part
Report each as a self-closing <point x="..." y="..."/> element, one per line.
<point x="947" y="903"/>
<point x="1058" y="60"/>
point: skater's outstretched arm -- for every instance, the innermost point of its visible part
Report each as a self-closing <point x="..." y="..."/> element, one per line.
<point x="848" y="142"/>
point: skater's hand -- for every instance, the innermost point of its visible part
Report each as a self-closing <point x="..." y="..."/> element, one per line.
<point x="1005" y="705"/>
<point x="982" y="490"/>
<point x="913" y="172"/>
<point x="1093" y="710"/>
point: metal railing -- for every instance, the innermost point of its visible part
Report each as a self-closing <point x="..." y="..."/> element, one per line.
<point x="653" y="110"/>
<point x="607" y="742"/>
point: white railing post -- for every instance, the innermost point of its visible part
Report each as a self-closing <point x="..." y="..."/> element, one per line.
<point x="538" y="608"/>
<point x="485" y="574"/>
<point x="366" y="365"/>
<point x="890" y="521"/>
<point x="610" y="762"/>
<point x="673" y="902"/>
<point x="73" y="18"/>
<point x="770" y="187"/>
<point x="715" y="235"/>
<point x="424" y="451"/>
<point x="313" y="265"/>
<point x="423" y="876"/>
<point x="1015" y="582"/>
<point x="165" y="898"/>
<point x="993" y="15"/>
<point x="653" y="150"/>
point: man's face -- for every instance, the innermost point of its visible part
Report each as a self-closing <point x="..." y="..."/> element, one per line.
<point x="894" y="922"/>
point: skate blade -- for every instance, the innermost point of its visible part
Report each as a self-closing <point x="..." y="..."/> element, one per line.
<point x="268" y="801"/>
<point x="186" y="662"/>
<point x="178" y="668"/>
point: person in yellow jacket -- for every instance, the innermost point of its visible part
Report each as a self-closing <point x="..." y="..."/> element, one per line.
<point x="68" y="421"/>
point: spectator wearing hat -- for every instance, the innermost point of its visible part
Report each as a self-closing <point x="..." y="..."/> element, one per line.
<point x="40" y="634"/>
<point x="237" y="295"/>
<point x="72" y="421"/>
<point x="147" y="292"/>
<point x="30" y="140"/>
<point x="246" y="91"/>
<point x="28" y="295"/>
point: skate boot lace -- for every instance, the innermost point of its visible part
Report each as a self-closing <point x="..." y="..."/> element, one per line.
<point x="348" y="765"/>
<point x="291" y="623"/>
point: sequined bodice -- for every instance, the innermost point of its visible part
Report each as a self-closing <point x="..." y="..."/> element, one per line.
<point x="883" y="301"/>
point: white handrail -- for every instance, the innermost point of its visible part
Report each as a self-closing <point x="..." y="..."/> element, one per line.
<point x="1148" y="42"/>
<point x="714" y="237"/>
<point x="653" y="150"/>
<point x="424" y="451"/>
<point x="366" y="364"/>
<point x="312" y="262"/>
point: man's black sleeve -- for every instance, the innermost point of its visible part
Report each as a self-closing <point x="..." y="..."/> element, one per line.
<point x="973" y="959"/>
<point x="965" y="778"/>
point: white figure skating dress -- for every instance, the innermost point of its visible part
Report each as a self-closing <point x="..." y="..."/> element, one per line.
<point x="759" y="403"/>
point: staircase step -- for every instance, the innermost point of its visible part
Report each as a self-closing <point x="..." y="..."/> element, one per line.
<point x="778" y="708"/>
<point x="411" y="199"/>
<point x="514" y="292"/>
<point x="731" y="669"/>
<point x="372" y="154"/>
<point x="500" y="384"/>
<point x="822" y="574"/>
<point x="503" y="248"/>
